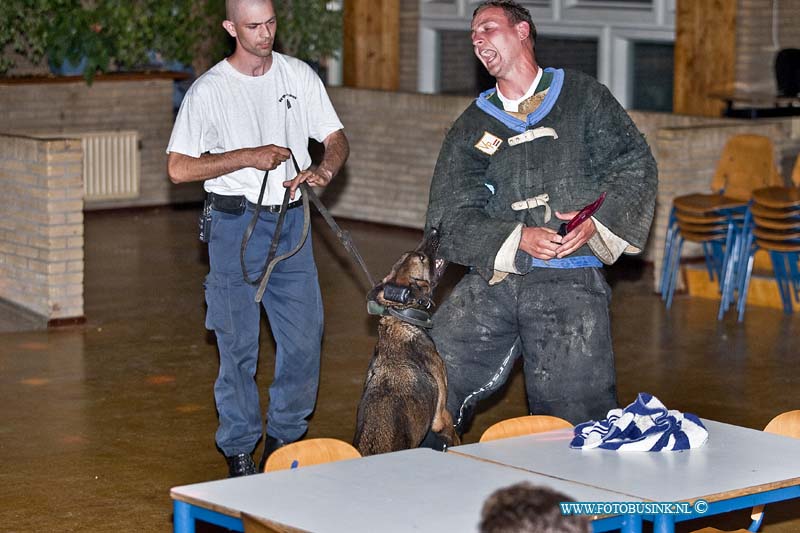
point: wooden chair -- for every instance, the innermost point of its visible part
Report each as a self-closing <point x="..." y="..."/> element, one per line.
<point x="297" y="455"/>
<point x="309" y="452"/>
<point x="523" y="425"/>
<point x="786" y="424"/>
<point x="747" y="163"/>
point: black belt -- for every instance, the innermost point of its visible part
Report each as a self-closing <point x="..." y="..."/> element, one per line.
<point x="237" y="205"/>
<point x="277" y="208"/>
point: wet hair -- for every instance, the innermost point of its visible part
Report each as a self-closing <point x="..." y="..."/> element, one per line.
<point x="514" y="12"/>
<point x="526" y="508"/>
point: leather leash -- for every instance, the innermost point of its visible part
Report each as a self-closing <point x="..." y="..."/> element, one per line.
<point x="308" y="194"/>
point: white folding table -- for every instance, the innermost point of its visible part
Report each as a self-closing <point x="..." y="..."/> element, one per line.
<point x="737" y="468"/>
<point x="412" y="490"/>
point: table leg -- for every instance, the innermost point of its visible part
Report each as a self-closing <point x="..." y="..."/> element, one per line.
<point x="183" y="521"/>
<point x="664" y="523"/>
<point x="632" y="524"/>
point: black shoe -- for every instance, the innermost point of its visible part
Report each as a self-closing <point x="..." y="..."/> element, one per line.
<point x="241" y="465"/>
<point x="270" y="445"/>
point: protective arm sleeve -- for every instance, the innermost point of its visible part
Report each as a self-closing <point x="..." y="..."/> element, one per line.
<point x="625" y="168"/>
<point x="458" y="196"/>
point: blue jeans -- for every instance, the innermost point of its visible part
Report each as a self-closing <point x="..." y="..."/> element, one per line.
<point x="293" y="304"/>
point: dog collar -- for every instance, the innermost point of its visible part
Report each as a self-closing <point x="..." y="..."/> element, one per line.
<point x="415" y="317"/>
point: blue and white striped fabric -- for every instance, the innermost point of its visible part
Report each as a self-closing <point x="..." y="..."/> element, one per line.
<point x="644" y="426"/>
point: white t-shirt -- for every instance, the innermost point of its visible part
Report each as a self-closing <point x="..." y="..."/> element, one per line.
<point x="225" y="110"/>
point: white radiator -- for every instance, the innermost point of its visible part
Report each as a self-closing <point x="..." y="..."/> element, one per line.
<point x="110" y="165"/>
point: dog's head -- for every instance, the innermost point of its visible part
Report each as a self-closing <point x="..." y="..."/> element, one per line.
<point x="413" y="277"/>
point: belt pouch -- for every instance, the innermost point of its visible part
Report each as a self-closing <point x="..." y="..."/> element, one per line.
<point x="233" y="205"/>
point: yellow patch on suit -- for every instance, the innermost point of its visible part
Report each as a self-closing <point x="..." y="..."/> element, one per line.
<point x="489" y="143"/>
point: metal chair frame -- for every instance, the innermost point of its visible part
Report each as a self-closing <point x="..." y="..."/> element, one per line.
<point x="720" y="251"/>
<point x="784" y="256"/>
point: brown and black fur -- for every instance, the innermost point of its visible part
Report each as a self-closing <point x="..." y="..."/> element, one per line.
<point x="405" y="392"/>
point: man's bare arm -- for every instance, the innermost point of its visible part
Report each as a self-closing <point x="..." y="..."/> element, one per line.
<point x="183" y="168"/>
<point x="337" y="149"/>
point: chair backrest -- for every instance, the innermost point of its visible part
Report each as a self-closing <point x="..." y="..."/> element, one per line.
<point x="309" y="452"/>
<point x="747" y="163"/>
<point x="523" y="425"/>
<point x="787" y="424"/>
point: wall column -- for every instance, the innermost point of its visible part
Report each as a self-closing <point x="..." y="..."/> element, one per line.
<point x="705" y="55"/>
<point x="372" y="44"/>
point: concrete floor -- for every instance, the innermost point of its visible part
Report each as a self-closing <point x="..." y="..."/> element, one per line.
<point x="98" y="421"/>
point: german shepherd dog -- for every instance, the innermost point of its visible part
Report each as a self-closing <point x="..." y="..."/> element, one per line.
<point x="405" y="391"/>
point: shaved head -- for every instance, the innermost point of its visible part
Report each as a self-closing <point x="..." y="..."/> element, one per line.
<point x="232" y="7"/>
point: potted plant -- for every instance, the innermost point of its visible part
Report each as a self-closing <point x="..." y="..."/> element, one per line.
<point x="105" y="35"/>
<point x="79" y="40"/>
<point x="102" y="35"/>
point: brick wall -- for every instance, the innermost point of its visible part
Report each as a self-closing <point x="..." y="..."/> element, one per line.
<point x="111" y="103"/>
<point x="41" y="226"/>
<point x="688" y="156"/>
<point x="409" y="19"/>
<point x="394" y="141"/>
<point x="755" y="50"/>
<point x="461" y="72"/>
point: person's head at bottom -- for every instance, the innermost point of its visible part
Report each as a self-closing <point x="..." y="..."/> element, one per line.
<point x="527" y="508"/>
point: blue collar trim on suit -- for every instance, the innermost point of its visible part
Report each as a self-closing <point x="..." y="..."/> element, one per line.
<point x="514" y="123"/>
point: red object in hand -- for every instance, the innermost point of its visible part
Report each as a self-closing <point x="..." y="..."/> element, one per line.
<point x="582" y="215"/>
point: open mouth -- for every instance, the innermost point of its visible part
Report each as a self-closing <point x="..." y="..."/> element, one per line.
<point x="487" y="55"/>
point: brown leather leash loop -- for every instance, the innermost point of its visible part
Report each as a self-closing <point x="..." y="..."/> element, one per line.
<point x="252" y="226"/>
<point x="308" y="194"/>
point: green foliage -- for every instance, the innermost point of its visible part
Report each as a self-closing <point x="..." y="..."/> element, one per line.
<point x="127" y="34"/>
<point x="308" y="30"/>
<point x="219" y="43"/>
<point x="107" y="34"/>
<point x="20" y="30"/>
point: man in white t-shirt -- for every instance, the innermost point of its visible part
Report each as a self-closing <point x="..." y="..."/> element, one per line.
<point x="242" y="118"/>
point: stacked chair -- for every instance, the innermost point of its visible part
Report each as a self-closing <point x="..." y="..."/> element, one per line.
<point x="716" y="220"/>
<point x="772" y="224"/>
